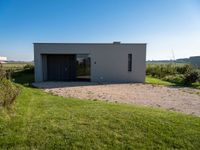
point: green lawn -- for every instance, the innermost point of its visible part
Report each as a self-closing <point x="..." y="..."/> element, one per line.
<point x="196" y="85"/>
<point x="42" y="121"/>
<point x="152" y="80"/>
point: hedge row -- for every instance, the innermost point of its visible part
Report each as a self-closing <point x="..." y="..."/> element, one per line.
<point x="180" y="74"/>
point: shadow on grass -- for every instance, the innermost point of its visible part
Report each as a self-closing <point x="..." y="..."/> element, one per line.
<point x="24" y="77"/>
<point x="181" y="85"/>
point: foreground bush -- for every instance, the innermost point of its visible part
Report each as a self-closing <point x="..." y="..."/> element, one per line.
<point x="8" y="91"/>
<point x="5" y="73"/>
<point x="2" y="72"/>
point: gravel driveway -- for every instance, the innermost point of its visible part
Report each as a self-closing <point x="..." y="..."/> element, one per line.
<point x="185" y="100"/>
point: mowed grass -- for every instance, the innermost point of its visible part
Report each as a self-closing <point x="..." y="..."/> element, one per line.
<point x="196" y="85"/>
<point x="42" y="121"/>
<point x="152" y="80"/>
<point x="39" y="120"/>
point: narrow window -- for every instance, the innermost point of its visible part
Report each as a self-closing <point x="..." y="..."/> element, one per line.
<point x="129" y="62"/>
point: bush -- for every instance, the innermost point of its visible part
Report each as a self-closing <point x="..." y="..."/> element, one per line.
<point x="8" y="92"/>
<point x="183" y="69"/>
<point x="9" y="73"/>
<point x="29" y="68"/>
<point x="161" y="70"/>
<point x="176" y="73"/>
<point x="178" y="78"/>
<point x="192" y="76"/>
<point x="5" y="73"/>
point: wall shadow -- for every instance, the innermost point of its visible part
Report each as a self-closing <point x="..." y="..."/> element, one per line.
<point x="51" y="85"/>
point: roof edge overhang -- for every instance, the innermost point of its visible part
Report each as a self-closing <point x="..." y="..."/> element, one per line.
<point x="94" y="43"/>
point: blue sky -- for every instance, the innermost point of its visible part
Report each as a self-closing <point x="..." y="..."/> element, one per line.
<point x="165" y="25"/>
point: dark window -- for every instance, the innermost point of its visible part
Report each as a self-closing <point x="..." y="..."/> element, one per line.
<point x="129" y="62"/>
<point x="83" y="67"/>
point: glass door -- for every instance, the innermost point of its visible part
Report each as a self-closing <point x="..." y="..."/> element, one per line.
<point x="83" y="67"/>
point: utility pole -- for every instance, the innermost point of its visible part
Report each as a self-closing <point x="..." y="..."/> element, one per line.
<point x="173" y="56"/>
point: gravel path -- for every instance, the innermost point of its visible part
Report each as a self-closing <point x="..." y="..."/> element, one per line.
<point x="185" y="100"/>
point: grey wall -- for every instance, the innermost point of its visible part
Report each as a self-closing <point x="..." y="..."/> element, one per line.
<point x="109" y="62"/>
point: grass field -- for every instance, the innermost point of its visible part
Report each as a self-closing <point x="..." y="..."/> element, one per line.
<point x="40" y="120"/>
<point x="16" y="65"/>
<point x="152" y="80"/>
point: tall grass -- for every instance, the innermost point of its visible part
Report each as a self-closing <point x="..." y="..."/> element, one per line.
<point x="185" y="74"/>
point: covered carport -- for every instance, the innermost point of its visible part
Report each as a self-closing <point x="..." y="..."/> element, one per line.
<point x="66" y="67"/>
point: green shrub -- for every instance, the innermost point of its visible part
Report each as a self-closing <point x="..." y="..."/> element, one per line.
<point x="29" y="68"/>
<point x="161" y="70"/>
<point x="183" y="69"/>
<point x="5" y="73"/>
<point x="2" y="72"/>
<point x="176" y="73"/>
<point x="9" y="73"/>
<point x="192" y="76"/>
<point x="177" y="78"/>
<point x="8" y="92"/>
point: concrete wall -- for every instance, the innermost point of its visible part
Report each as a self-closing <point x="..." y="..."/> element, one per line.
<point x="109" y="62"/>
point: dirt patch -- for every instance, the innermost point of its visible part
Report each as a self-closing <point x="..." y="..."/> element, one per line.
<point x="180" y="99"/>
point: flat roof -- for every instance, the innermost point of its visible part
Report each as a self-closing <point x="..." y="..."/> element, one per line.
<point x="114" y="43"/>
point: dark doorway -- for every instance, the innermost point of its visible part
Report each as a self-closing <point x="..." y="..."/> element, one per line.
<point x="67" y="67"/>
<point x="61" y="67"/>
<point x="83" y="67"/>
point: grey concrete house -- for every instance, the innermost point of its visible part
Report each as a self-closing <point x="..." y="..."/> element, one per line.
<point x="96" y="62"/>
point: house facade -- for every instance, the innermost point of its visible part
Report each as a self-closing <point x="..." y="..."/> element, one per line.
<point x="95" y="62"/>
